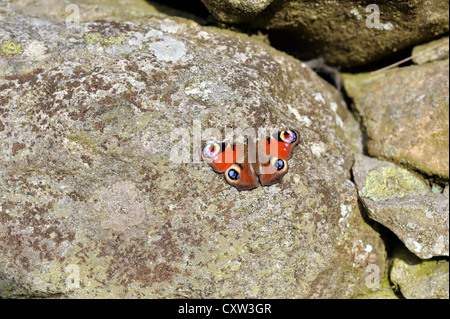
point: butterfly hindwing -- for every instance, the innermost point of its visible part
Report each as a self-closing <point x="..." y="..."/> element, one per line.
<point x="242" y="176"/>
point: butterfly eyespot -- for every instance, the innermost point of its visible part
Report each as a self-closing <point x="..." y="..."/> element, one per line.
<point x="278" y="164"/>
<point x="233" y="174"/>
<point x="211" y="150"/>
<point x="288" y="136"/>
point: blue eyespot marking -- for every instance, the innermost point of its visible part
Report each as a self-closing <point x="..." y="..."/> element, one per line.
<point x="233" y="174"/>
<point x="279" y="165"/>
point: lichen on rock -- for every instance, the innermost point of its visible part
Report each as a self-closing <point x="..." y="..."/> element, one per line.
<point x="10" y="47"/>
<point x="419" y="279"/>
<point x="404" y="203"/>
<point x="89" y="192"/>
<point x="346" y="33"/>
<point x="405" y="114"/>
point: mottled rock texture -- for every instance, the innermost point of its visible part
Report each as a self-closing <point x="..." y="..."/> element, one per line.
<point x="236" y="11"/>
<point x="432" y="51"/>
<point x="92" y="117"/>
<point x="403" y="202"/>
<point x="386" y="293"/>
<point x="345" y="32"/>
<point x="419" y="279"/>
<point x="405" y="114"/>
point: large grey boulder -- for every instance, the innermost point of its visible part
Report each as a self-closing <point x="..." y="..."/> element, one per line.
<point x="93" y="202"/>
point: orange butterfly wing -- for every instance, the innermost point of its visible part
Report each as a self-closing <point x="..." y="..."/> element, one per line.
<point x="232" y="162"/>
<point x="278" y="150"/>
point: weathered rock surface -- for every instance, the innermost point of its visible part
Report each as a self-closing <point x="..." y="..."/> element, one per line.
<point x="404" y="203"/>
<point x="84" y="10"/>
<point x="236" y="11"/>
<point x="386" y="293"/>
<point x="405" y="113"/>
<point x="419" y="279"/>
<point x="345" y="32"/>
<point x="93" y="205"/>
<point x="432" y="51"/>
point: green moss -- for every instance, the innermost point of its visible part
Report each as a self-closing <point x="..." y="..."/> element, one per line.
<point x="95" y="37"/>
<point x="420" y="268"/>
<point x="429" y="268"/>
<point x="11" y="48"/>
<point x="392" y="182"/>
<point x="85" y="140"/>
<point x="418" y="278"/>
<point x="440" y="51"/>
<point x="362" y="78"/>
<point x="386" y="293"/>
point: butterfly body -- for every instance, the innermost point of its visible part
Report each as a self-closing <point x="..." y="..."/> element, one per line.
<point x="247" y="166"/>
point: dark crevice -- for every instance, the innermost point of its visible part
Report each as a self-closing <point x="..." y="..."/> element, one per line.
<point x="194" y="10"/>
<point x="390" y="240"/>
<point x="351" y="107"/>
<point x="282" y="40"/>
<point x="383" y="62"/>
<point x="326" y="72"/>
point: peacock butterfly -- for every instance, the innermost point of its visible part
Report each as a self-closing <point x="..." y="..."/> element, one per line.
<point x="247" y="166"/>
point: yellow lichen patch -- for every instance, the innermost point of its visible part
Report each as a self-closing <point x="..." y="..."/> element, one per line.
<point x="95" y="37"/>
<point x="11" y="48"/>
<point x="392" y="182"/>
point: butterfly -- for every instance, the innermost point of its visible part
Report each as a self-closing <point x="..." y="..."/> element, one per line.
<point x="247" y="166"/>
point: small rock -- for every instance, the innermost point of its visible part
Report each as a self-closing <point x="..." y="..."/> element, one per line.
<point x="403" y="202"/>
<point x="419" y="279"/>
<point x="235" y="11"/>
<point x="432" y="51"/>
<point x="405" y="113"/>
<point x="380" y="180"/>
